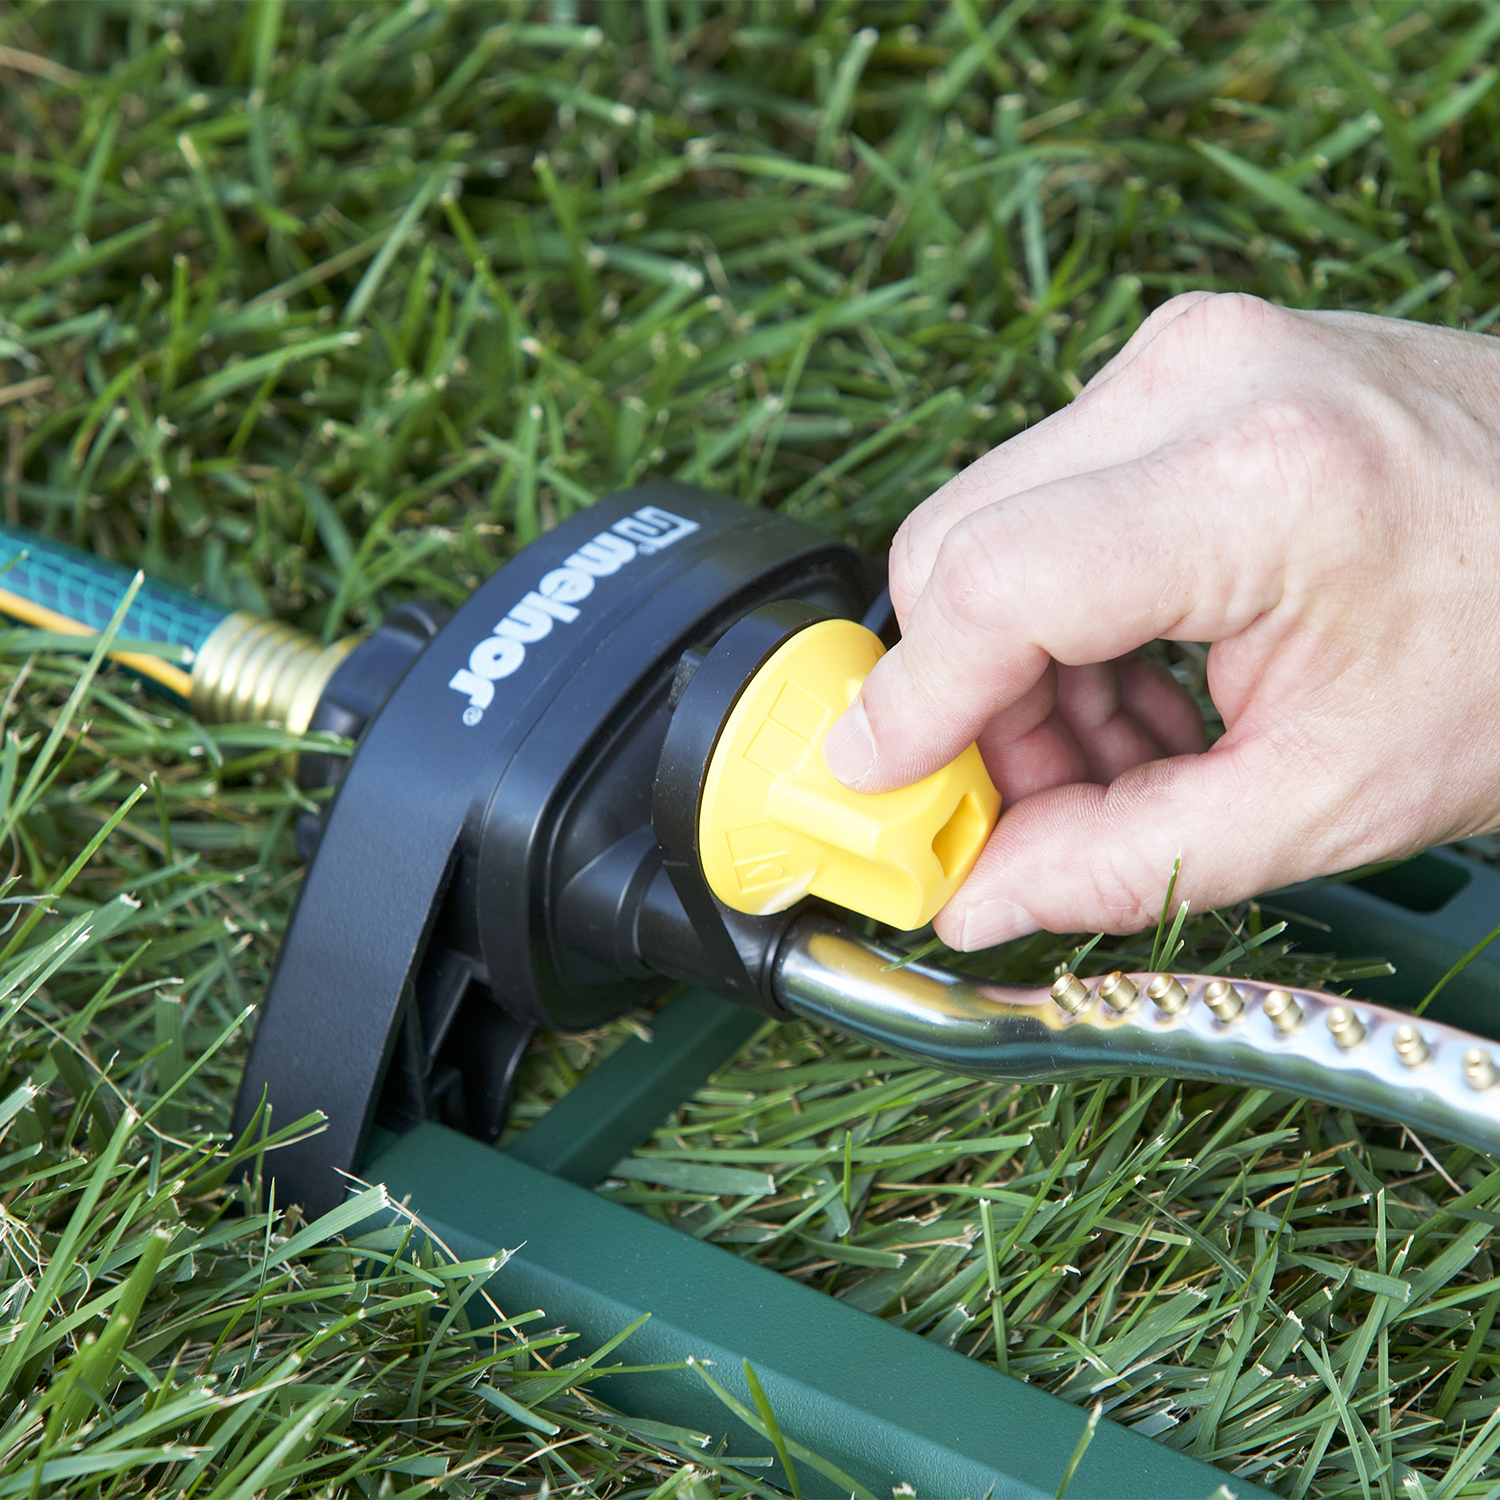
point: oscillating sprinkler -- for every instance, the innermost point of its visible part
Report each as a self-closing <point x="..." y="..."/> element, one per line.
<point x="599" y="780"/>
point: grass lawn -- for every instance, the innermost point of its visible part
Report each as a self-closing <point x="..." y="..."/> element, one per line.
<point x="317" y="307"/>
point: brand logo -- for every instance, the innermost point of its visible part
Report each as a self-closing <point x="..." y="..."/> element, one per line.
<point x="556" y="597"/>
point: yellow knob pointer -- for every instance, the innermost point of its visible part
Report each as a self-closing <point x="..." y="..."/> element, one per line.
<point x="774" y="825"/>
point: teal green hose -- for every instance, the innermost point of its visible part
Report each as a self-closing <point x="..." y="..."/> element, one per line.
<point x="88" y="591"/>
<point x="232" y="666"/>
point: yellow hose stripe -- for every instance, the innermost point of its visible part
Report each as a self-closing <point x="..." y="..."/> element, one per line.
<point x="174" y="679"/>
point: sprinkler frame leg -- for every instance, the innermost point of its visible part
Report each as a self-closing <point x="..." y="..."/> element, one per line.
<point x="885" y="1405"/>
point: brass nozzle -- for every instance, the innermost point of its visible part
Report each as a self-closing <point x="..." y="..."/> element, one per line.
<point x="1072" y="994"/>
<point x="252" y="668"/>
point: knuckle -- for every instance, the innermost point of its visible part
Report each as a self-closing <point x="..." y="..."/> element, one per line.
<point x="963" y="581"/>
<point x="1215" y="333"/>
<point x="1192" y="338"/>
<point x="1234" y="318"/>
<point x="1174" y="308"/>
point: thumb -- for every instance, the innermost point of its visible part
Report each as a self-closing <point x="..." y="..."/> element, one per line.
<point x="1086" y="858"/>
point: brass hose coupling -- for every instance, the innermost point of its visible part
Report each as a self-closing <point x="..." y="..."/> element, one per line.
<point x="251" y="669"/>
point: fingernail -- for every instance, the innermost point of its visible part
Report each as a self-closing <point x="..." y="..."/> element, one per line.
<point x="849" y="747"/>
<point x="991" y="922"/>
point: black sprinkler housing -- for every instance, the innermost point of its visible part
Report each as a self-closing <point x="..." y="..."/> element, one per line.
<point x="489" y="863"/>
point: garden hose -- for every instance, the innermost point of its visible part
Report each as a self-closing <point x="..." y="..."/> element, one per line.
<point x="233" y="665"/>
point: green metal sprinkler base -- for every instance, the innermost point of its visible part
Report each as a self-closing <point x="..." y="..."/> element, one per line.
<point x="881" y="1403"/>
<point x="884" y="1405"/>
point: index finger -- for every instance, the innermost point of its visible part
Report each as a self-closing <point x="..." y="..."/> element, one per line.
<point x="1082" y="570"/>
<point x="1101" y="429"/>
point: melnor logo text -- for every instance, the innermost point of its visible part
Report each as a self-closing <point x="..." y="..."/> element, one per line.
<point x="556" y="597"/>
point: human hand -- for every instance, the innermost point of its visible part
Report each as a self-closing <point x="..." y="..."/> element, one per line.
<point x="1318" y="494"/>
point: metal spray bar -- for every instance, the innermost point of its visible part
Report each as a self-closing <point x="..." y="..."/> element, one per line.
<point x="1244" y="1032"/>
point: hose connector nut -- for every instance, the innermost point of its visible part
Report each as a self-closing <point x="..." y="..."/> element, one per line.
<point x="1071" y="993"/>
<point x="1347" y="1028"/>
<point x="1224" y="1000"/>
<point x="1167" y="994"/>
<point x="1118" y="992"/>
<point x="1411" y="1046"/>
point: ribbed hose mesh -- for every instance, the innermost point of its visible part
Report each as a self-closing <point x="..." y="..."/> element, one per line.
<point x="237" y="666"/>
<point x="88" y="590"/>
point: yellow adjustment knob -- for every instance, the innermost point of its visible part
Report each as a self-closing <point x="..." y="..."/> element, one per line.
<point x="774" y="825"/>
